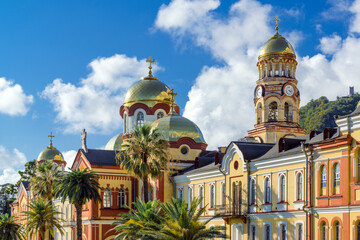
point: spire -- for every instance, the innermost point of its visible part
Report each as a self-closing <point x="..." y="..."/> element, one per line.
<point x="150" y="60"/>
<point x="51" y="136"/>
<point x="172" y="101"/>
<point x="277" y="20"/>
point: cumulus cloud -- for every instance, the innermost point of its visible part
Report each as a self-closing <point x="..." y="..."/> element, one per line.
<point x="220" y="101"/>
<point x="94" y="103"/>
<point x="9" y="175"/>
<point x="9" y="161"/>
<point x="13" y="100"/>
<point x="69" y="157"/>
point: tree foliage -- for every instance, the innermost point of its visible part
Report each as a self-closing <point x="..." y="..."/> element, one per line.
<point x="9" y="229"/>
<point x="318" y="114"/>
<point x="28" y="172"/>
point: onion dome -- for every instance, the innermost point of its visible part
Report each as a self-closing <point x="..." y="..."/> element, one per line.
<point x="114" y="143"/>
<point x="50" y="153"/>
<point x="174" y="127"/>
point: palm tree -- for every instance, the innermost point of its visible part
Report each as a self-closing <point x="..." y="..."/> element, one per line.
<point x="44" y="180"/>
<point x="41" y="219"/>
<point x="78" y="186"/>
<point x="144" y="155"/>
<point x="183" y="222"/>
<point x="9" y="229"/>
<point x="142" y="222"/>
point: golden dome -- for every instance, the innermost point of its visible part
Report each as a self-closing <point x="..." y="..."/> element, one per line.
<point x="50" y="154"/>
<point x="148" y="90"/>
<point x="114" y="143"/>
<point x="174" y="127"/>
<point x="277" y="44"/>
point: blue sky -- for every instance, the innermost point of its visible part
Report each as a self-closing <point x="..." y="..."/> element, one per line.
<point x="66" y="65"/>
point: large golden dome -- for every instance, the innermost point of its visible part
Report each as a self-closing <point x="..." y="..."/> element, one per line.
<point x="50" y="154"/>
<point x="174" y="127"/>
<point x="148" y="90"/>
<point x="277" y="44"/>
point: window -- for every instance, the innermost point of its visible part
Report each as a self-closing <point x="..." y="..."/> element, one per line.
<point x="201" y="196"/>
<point x="299" y="232"/>
<point x="323" y="231"/>
<point x="288" y="113"/>
<point x="299" y="187"/>
<point x="212" y="195"/>
<point x="267" y="191"/>
<point x="253" y="192"/>
<point x="107" y="198"/>
<point x="184" y="150"/>
<point x="190" y="195"/>
<point x="282" y="188"/>
<point x="140" y="119"/>
<point x="337" y="231"/>
<point x="159" y="115"/>
<point x="259" y="113"/>
<point x="273" y="112"/>
<point x="337" y="175"/>
<point x="267" y="232"/>
<point x="252" y="232"/>
<point x="323" y="177"/>
<point x="223" y="194"/>
<point x="125" y="123"/>
<point x="122" y="198"/>
<point x="282" y="232"/>
<point x="180" y="193"/>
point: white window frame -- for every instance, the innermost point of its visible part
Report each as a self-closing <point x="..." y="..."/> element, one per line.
<point x="125" y="125"/>
<point x="223" y="193"/>
<point x="105" y="191"/>
<point x="250" y="233"/>
<point x="212" y="198"/>
<point x="265" y="190"/>
<point x="337" y="176"/>
<point x="190" y="196"/>
<point x="252" y="197"/>
<point x="119" y="198"/>
<point x="159" y="111"/>
<point x="281" y="223"/>
<point x="297" y="224"/>
<point x="136" y="115"/>
<point x="264" y="229"/>
<point x="236" y="231"/>
<point x="280" y="188"/>
<point x="296" y="186"/>
<point x="202" y="198"/>
<point x="180" y="193"/>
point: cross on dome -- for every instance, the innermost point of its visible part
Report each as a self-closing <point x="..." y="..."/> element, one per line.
<point x="277" y="20"/>
<point x="150" y="60"/>
<point x="51" y="136"/>
<point x="172" y="100"/>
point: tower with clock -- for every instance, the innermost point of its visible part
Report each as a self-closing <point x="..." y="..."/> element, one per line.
<point x="276" y="96"/>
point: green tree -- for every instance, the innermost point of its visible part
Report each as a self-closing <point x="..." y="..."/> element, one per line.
<point x="9" y="229"/>
<point x="8" y="193"/>
<point x="183" y="222"/>
<point x="42" y="219"/>
<point x="28" y="171"/>
<point x="142" y="222"/>
<point x="78" y="186"/>
<point x="44" y="180"/>
<point x="144" y="155"/>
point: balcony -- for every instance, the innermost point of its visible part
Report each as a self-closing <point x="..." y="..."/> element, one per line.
<point x="229" y="210"/>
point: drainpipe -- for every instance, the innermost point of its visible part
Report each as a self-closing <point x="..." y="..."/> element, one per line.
<point x="304" y="148"/>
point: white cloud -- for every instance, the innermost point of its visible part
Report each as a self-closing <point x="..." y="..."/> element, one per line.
<point x="13" y="158"/>
<point x="330" y="44"/>
<point x="220" y="101"/>
<point x="9" y="175"/>
<point x="94" y="103"/>
<point x="69" y="157"/>
<point x="13" y="100"/>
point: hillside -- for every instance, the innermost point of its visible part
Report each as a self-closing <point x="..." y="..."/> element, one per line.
<point x="318" y="114"/>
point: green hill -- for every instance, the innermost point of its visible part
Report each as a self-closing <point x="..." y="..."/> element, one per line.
<point x="318" y="114"/>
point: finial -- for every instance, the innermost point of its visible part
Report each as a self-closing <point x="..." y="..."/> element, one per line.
<point x="150" y="60"/>
<point x="172" y="100"/>
<point x="83" y="140"/>
<point x="51" y="136"/>
<point x="277" y="20"/>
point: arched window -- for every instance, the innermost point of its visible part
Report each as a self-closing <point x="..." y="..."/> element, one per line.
<point x="140" y="119"/>
<point x="282" y="188"/>
<point x="273" y="112"/>
<point x="299" y="231"/>
<point x="282" y="231"/>
<point x="159" y="115"/>
<point x="323" y="177"/>
<point x="122" y="198"/>
<point x="125" y="122"/>
<point x="190" y="195"/>
<point x="288" y="115"/>
<point x="180" y="193"/>
<point x="267" y="233"/>
<point x="201" y="196"/>
<point x="299" y="187"/>
<point x="259" y="113"/>
<point x="337" y="231"/>
<point x="223" y="194"/>
<point x="336" y="175"/>
<point x="323" y="231"/>
<point x="107" y="198"/>
<point x="253" y="192"/>
<point x="253" y="232"/>
<point x="267" y="190"/>
<point x="212" y="195"/>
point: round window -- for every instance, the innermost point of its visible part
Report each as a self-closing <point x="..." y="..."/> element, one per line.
<point x="236" y="165"/>
<point x="184" y="150"/>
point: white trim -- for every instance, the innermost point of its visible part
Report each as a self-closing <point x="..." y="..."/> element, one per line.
<point x="264" y="230"/>
<point x="203" y="194"/>
<point x="214" y="199"/>
<point x="157" y="111"/>
<point x="222" y="192"/>
<point x="250" y="232"/>
<point x="279" y="186"/>
<point x="296" y="186"/>
<point x="279" y="230"/>
<point x="236" y="231"/>
<point x="296" y="224"/>
<point x="277" y="162"/>
<point x="198" y="176"/>
<point x="264" y="189"/>
<point x="269" y="215"/>
<point x="228" y="157"/>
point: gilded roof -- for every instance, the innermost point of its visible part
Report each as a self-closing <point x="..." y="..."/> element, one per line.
<point x="50" y="154"/>
<point x="148" y="90"/>
<point x="276" y="44"/>
<point x="114" y="143"/>
<point x="174" y="127"/>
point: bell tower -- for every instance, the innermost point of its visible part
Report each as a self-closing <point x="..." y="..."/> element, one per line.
<point x="276" y="96"/>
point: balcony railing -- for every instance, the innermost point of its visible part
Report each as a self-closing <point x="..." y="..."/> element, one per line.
<point x="228" y="210"/>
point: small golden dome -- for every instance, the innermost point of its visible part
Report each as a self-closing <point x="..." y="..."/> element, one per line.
<point x="277" y="44"/>
<point x="50" y="154"/>
<point x="114" y="143"/>
<point x="174" y="127"/>
<point x="150" y="91"/>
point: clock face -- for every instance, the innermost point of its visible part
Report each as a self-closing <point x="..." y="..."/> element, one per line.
<point x="258" y="91"/>
<point x="289" y="90"/>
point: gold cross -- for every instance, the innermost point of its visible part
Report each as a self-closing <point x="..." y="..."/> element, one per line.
<point x="277" y="20"/>
<point x="51" y="136"/>
<point x="172" y="94"/>
<point x="150" y="60"/>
